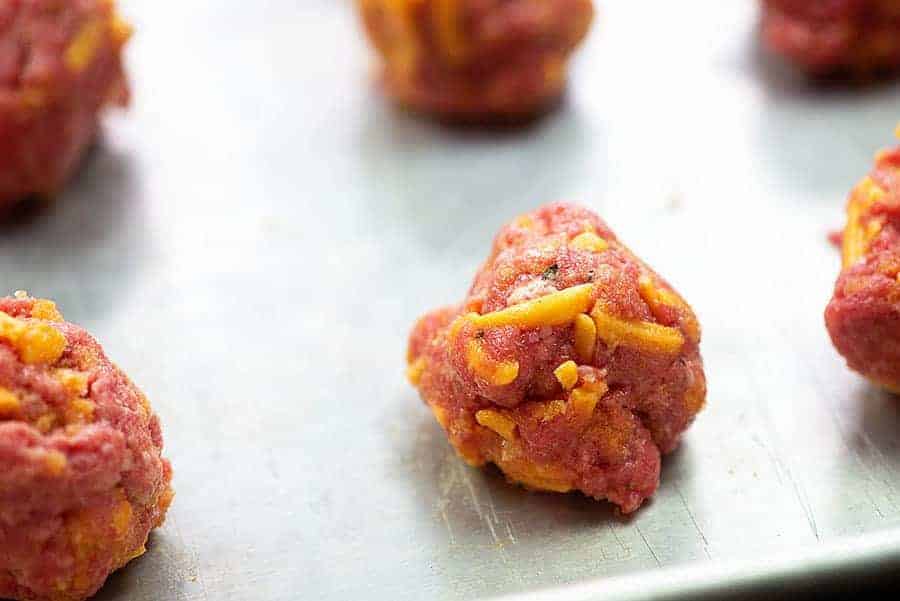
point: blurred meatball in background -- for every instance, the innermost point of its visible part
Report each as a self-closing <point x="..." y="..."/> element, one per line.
<point x="835" y="37"/>
<point x="60" y="65"/>
<point x="476" y="60"/>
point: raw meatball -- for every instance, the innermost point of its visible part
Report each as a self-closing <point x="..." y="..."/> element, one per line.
<point x="826" y="37"/>
<point x="863" y="316"/>
<point x="60" y="65"/>
<point x="82" y="482"/>
<point x="570" y="364"/>
<point x="476" y="60"/>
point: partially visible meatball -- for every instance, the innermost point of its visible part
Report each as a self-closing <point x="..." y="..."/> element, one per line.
<point x="827" y="37"/>
<point x="60" y="65"/>
<point x="476" y="60"/>
<point x="82" y="479"/>
<point x="570" y="364"/>
<point x="863" y="316"/>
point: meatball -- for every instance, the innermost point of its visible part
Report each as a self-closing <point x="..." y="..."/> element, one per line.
<point x="476" y="60"/>
<point x="82" y="482"/>
<point x="60" y="65"/>
<point x="570" y="364"/>
<point x="826" y="37"/>
<point x="863" y="317"/>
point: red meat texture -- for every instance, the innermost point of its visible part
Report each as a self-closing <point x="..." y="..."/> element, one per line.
<point x="570" y="364"/>
<point x="82" y="479"/>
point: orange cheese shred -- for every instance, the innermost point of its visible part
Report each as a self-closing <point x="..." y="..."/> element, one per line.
<point x="555" y="309"/>
<point x="643" y="335"/>
<point x="497" y="422"/>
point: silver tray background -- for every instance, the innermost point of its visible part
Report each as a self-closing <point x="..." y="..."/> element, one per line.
<point x="253" y="240"/>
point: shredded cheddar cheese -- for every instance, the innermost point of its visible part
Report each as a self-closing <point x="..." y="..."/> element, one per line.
<point x="497" y="422"/>
<point x="42" y="344"/>
<point x="9" y="403"/>
<point x="415" y="370"/>
<point x="36" y="342"/>
<point x="45" y="422"/>
<point x="122" y="517"/>
<point x="496" y="373"/>
<point x="100" y="531"/>
<point x="695" y="397"/>
<point x="85" y="45"/>
<point x="45" y="310"/>
<point x="75" y="382"/>
<point x="589" y="241"/>
<point x="524" y="222"/>
<point x="120" y="30"/>
<point x="585" y="337"/>
<point x="79" y="411"/>
<point x="56" y="462"/>
<point x="549" y="247"/>
<point x="399" y="43"/>
<point x="459" y="323"/>
<point x="643" y="335"/>
<point x="552" y="409"/>
<point x="857" y="235"/>
<point x="554" y="309"/>
<point x="659" y="298"/>
<point x="567" y="374"/>
<point x="538" y="477"/>
<point x="583" y="400"/>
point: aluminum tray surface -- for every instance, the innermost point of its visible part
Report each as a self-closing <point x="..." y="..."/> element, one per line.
<point x="253" y="240"/>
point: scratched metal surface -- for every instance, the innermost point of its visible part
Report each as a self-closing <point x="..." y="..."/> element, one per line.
<point x="254" y="238"/>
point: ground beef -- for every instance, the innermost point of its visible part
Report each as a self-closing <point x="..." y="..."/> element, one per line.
<point x="825" y="37"/>
<point x="82" y="481"/>
<point x="476" y="60"/>
<point x="570" y="364"/>
<point x="863" y="316"/>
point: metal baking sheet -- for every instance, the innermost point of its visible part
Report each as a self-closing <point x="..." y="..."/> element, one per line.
<point x="254" y="238"/>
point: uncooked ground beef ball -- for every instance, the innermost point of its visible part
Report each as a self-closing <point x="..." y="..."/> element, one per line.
<point x="570" y="364"/>
<point x="60" y="65"/>
<point x="82" y="479"/>
<point x="826" y="37"/>
<point x="863" y="316"/>
<point x="476" y="60"/>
